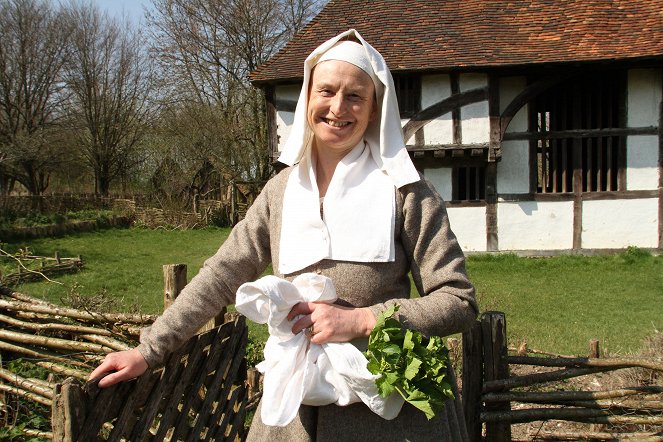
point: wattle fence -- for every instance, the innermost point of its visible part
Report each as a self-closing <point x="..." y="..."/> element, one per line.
<point x="490" y="392"/>
<point x="69" y="343"/>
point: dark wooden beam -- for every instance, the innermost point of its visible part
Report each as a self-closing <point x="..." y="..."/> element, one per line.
<point x="492" y="239"/>
<point x="272" y="133"/>
<point x="623" y="122"/>
<point x="581" y="133"/>
<point x="586" y="196"/>
<point x="436" y="147"/>
<point x="577" y="170"/>
<point x="456" y="118"/>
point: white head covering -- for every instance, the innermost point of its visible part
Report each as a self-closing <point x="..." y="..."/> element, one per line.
<point x="359" y="206"/>
<point x="384" y="135"/>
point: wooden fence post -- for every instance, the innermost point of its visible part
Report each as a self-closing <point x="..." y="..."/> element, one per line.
<point x="493" y="327"/>
<point x="174" y="281"/>
<point x="68" y="411"/>
<point x="594" y="349"/>
<point x="472" y="380"/>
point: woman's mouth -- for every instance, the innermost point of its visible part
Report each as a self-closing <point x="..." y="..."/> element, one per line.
<point x="335" y="123"/>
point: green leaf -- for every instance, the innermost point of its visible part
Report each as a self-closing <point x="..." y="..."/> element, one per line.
<point x="412" y="368"/>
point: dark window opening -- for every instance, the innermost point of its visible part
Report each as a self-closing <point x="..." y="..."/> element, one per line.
<point x="587" y="103"/>
<point x="469" y="183"/>
<point x="408" y="93"/>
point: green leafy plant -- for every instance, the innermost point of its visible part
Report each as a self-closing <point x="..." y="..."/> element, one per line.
<point x="409" y="363"/>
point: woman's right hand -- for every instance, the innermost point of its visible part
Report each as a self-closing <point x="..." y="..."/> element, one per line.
<point x="126" y="365"/>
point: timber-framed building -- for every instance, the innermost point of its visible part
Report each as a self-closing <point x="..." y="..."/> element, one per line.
<point x="538" y="121"/>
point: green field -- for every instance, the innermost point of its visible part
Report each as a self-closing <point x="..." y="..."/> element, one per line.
<point x="555" y="304"/>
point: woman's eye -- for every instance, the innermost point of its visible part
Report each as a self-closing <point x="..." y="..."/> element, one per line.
<point x="355" y="97"/>
<point x="326" y="93"/>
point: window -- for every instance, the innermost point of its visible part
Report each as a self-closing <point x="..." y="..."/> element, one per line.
<point x="408" y="93"/>
<point x="469" y="183"/>
<point x="568" y="119"/>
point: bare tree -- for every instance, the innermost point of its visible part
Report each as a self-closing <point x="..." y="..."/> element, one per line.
<point x="33" y="42"/>
<point x="208" y="48"/>
<point x="110" y="81"/>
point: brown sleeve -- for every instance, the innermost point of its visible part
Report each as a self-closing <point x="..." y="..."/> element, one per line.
<point x="447" y="304"/>
<point x="241" y="258"/>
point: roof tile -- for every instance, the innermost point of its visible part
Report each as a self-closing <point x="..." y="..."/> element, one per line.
<point x="445" y="34"/>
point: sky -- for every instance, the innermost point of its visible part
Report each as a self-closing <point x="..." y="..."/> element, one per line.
<point x="133" y="8"/>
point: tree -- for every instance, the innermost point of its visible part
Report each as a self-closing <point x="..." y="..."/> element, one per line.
<point x="110" y="81"/>
<point x="208" y="48"/>
<point x="33" y="42"/>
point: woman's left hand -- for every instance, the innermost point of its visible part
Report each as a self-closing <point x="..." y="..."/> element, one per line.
<point x="331" y="322"/>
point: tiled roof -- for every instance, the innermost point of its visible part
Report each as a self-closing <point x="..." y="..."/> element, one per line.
<point x="445" y="34"/>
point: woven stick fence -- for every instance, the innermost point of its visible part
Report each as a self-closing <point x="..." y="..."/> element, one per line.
<point x="69" y="343"/>
<point x="490" y="392"/>
<point x="47" y="266"/>
<point x="200" y="394"/>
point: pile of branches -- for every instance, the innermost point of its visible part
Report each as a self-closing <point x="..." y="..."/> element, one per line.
<point x="61" y="341"/>
<point x="46" y="267"/>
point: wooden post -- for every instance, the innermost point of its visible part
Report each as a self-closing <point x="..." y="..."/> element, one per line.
<point x="594" y="350"/>
<point x="68" y="411"/>
<point x="493" y="327"/>
<point x="472" y="380"/>
<point x="174" y="280"/>
<point x="196" y="202"/>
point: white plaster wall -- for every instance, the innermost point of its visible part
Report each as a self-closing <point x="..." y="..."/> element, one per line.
<point x="440" y="178"/>
<point x="513" y="170"/>
<point x="469" y="225"/>
<point x="609" y="224"/>
<point x="435" y="88"/>
<point x="644" y="97"/>
<point x="509" y="88"/>
<point x="642" y="162"/>
<point x="535" y="225"/>
<point x="284" y="120"/>
<point x="475" y="122"/>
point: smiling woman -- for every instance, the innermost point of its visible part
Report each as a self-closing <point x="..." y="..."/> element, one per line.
<point x="351" y="209"/>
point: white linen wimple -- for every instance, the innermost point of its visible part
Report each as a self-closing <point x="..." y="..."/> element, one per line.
<point x="298" y="371"/>
<point x="384" y="135"/>
<point x="359" y="214"/>
<point x="356" y="54"/>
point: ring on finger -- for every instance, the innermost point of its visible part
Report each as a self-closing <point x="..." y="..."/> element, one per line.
<point x="308" y="331"/>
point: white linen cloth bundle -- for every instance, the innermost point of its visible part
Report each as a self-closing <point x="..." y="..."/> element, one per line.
<point x="296" y="371"/>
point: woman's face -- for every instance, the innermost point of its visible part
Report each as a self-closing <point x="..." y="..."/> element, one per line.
<point x="341" y="104"/>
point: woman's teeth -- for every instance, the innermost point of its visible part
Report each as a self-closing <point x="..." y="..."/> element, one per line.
<point x="337" y="123"/>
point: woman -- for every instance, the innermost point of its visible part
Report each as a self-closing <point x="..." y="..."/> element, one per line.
<point x="351" y="207"/>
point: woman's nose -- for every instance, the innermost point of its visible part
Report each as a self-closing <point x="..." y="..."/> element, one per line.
<point x="337" y="104"/>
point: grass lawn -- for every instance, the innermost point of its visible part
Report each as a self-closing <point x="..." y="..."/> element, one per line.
<point x="555" y="304"/>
